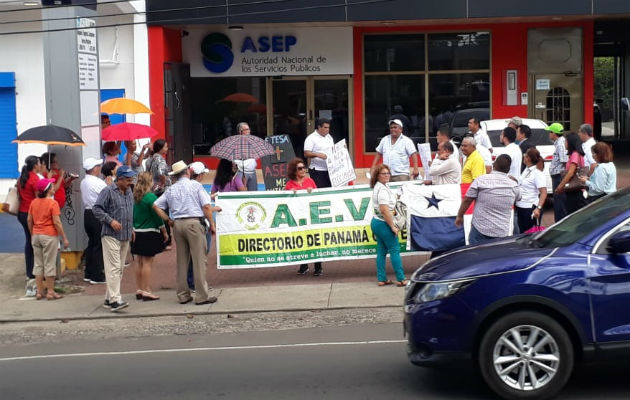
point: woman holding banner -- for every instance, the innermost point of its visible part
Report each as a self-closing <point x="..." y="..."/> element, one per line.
<point x="296" y="172"/>
<point x="386" y="233"/>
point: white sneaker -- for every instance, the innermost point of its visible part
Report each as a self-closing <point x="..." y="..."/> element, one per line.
<point x="31" y="288"/>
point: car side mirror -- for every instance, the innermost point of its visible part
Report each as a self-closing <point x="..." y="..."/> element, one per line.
<point x="619" y="243"/>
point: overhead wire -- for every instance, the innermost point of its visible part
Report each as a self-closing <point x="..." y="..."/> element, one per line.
<point x="174" y="20"/>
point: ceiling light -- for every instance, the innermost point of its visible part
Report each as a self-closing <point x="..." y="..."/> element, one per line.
<point x="30" y="3"/>
<point x="235" y="28"/>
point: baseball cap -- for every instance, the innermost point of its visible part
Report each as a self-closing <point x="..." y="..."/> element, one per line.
<point x="198" y="168"/>
<point x="396" y="121"/>
<point x="91" y="162"/>
<point x="125" y="172"/>
<point x="43" y="185"/>
<point x="556" y="128"/>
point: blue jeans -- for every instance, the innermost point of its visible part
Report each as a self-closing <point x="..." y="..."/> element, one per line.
<point x="189" y="277"/>
<point x="476" y="237"/>
<point x="386" y="242"/>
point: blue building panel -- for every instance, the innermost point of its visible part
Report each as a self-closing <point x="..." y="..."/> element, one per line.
<point x="8" y="127"/>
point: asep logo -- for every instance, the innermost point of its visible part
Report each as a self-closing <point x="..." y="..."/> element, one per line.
<point x="216" y="49"/>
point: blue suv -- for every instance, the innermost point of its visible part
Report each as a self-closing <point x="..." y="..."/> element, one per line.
<point x="526" y="308"/>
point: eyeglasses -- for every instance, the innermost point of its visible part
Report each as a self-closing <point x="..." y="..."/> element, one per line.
<point x="301" y="168"/>
<point x="384" y="173"/>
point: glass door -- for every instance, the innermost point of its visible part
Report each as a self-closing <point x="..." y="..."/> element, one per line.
<point x="289" y="111"/>
<point x="330" y="100"/>
<point x="607" y="72"/>
<point x="298" y="103"/>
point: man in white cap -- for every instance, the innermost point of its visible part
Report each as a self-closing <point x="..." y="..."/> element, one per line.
<point x="246" y="168"/>
<point x="188" y="203"/>
<point x="395" y="149"/>
<point x="91" y="186"/>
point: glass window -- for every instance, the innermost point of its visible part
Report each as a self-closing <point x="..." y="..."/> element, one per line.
<point x="382" y="93"/>
<point x="219" y="104"/>
<point x="454" y="98"/>
<point x="448" y="51"/>
<point x="384" y="53"/>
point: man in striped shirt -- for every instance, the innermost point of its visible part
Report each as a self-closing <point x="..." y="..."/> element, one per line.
<point x="114" y="208"/>
<point x="494" y="195"/>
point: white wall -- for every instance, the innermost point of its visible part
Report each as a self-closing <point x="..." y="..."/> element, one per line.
<point x="23" y="54"/>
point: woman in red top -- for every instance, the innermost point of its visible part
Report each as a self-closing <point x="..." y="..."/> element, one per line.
<point x="27" y="191"/>
<point x="50" y="164"/>
<point x="296" y="172"/>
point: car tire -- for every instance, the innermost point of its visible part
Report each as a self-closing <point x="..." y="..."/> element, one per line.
<point x="526" y="355"/>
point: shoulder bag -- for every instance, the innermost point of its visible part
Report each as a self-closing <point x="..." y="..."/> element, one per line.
<point x="575" y="183"/>
<point x="13" y="201"/>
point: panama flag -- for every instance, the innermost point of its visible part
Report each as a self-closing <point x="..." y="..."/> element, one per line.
<point x="431" y="212"/>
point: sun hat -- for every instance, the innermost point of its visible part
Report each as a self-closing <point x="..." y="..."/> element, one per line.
<point x="43" y="185"/>
<point x="178" y="167"/>
<point x="556" y="128"/>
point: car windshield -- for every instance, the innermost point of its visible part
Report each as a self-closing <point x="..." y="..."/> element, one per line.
<point x="582" y="222"/>
<point x="539" y="137"/>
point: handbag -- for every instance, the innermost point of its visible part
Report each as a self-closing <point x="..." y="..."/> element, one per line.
<point x="400" y="215"/>
<point x="575" y="183"/>
<point x="12" y="201"/>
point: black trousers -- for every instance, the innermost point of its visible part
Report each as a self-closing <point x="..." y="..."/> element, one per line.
<point x="321" y="178"/>
<point x="525" y="221"/>
<point x="29" y="258"/>
<point x="94" y="268"/>
<point x="559" y="200"/>
<point x="575" y="201"/>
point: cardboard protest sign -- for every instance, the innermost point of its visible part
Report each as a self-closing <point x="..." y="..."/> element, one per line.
<point x="274" y="167"/>
<point x="340" y="168"/>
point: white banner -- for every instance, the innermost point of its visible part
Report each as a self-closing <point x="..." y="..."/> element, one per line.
<point x="286" y="50"/>
<point x="340" y="168"/>
<point x="271" y="229"/>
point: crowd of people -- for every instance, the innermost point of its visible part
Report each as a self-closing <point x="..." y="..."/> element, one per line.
<point x="138" y="203"/>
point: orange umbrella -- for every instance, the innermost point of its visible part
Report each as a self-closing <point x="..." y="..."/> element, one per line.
<point x="240" y="98"/>
<point x="122" y="105"/>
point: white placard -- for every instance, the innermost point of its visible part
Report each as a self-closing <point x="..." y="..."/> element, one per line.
<point x="424" y="149"/>
<point x="340" y="168"/>
<point x="88" y="72"/>
<point x="542" y="84"/>
<point x="268" y="51"/>
<point x="86" y="38"/>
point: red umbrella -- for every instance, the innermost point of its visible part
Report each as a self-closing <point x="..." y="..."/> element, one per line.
<point x="240" y="98"/>
<point x="128" y="131"/>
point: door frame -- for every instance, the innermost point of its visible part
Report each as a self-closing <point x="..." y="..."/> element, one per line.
<point x="310" y="103"/>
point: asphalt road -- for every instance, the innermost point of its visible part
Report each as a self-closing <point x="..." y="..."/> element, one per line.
<point x="364" y="361"/>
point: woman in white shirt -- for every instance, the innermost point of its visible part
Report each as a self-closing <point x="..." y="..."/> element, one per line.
<point x="386" y="233"/>
<point x="533" y="187"/>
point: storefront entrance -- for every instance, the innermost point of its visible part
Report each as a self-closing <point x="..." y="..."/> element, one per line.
<point x="299" y="101"/>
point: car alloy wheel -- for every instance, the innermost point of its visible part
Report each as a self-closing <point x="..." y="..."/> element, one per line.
<point x="526" y="355"/>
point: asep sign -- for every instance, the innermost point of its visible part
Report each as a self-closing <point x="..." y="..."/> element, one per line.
<point x="218" y="57"/>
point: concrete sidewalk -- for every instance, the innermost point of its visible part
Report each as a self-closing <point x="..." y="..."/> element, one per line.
<point x="230" y="300"/>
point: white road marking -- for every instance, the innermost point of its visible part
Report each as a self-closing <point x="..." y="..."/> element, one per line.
<point x="154" y="351"/>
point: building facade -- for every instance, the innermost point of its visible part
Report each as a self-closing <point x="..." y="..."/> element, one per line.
<point x="280" y="66"/>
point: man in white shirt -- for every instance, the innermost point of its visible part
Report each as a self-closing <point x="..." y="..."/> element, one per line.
<point x="586" y="135"/>
<point x="507" y="138"/>
<point x="445" y="168"/>
<point x="395" y="149"/>
<point x="91" y="186"/>
<point x="481" y="137"/>
<point x="444" y="135"/>
<point x="246" y="168"/>
<point x="317" y="146"/>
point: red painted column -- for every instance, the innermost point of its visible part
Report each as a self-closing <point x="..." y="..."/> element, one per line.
<point x="360" y="159"/>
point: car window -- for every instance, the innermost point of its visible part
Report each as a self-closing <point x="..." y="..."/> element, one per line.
<point x="540" y="137"/>
<point x="582" y="222"/>
<point x="602" y="247"/>
<point x="494" y="138"/>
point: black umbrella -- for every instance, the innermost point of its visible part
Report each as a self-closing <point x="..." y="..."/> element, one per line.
<point x="50" y="134"/>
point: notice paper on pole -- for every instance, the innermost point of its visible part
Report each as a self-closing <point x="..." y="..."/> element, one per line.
<point x="340" y="168"/>
<point x="424" y="149"/>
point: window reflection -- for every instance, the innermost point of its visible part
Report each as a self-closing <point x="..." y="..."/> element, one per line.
<point x="219" y="104"/>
